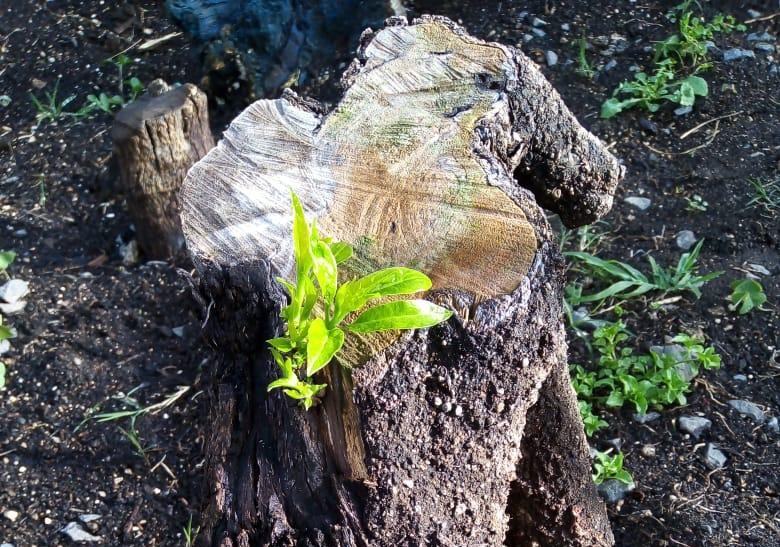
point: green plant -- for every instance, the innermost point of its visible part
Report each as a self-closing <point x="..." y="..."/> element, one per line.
<point x="626" y="282"/>
<point x="746" y="295"/>
<point x="591" y="421"/>
<point x="608" y="467"/>
<point x="6" y="259"/>
<point x="766" y="194"/>
<point x="189" y="533"/>
<point x="51" y="108"/>
<point x="6" y="333"/>
<point x="136" y="87"/>
<point x="696" y="203"/>
<point x="316" y="316"/>
<point x="103" y="102"/>
<point x="586" y="238"/>
<point x="583" y="66"/>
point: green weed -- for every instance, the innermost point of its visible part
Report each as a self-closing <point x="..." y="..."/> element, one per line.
<point x="696" y="204"/>
<point x="610" y="467"/>
<point x="314" y="336"/>
<point x="51" y="108"/>
<point x="766" y="194"/>
<point x="746" y="295"/>
<point x="189" y="533"/>
<point x="583" y="66"/>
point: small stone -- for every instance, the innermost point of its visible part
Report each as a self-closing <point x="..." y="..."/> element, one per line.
<point x="566" y="27"/>
<point x="5" y="100"/>
<point x="685" y="239"/>
<point x="409" y="483"/>
<point x="759" y="269"/>
<point x="21" y="232"/>
<point x="746" y="408"/>
<point x="714" y="458"/>
<point x="89" y="517"/>
<point x="695" y="425"/>
<point x="37" y="84"/>
<point x="646" y="418"/>
<point x="129" y="253"/>
<point x="77" y="533"/>
<point x="437" y="401"/>
<point x="613" y="490"/>
<point x="447" y="406"/>
<point x="11" y="515"/>
<point x="14" y="290"/>
<point x="541" y="34"/>
<point x="683" y="110"/>
<point x="551" y="57"/>
<point x="47" y="521"/>
<point x="648" y="451"/>
<point x="615" y="443"/>
<point x="458" y="411"/>
<point x="763" y="46"/>
<point x="178" y="331"/>
<point x="753" y="13"/>
<point x="735" y="54"/>
<point x="610" y="65"/>
<point x="536" y="22"/>
<point x="10" y="309"/>
<point x="773" y="425"/>
<point x="638" y="202"/>
<point x="647" y="125"/>
<point x="760" y="37"/>
<point x="6" y="545"/>
<point x="740" y="378"/>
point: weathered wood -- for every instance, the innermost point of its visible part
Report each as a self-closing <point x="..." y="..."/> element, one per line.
<point x="434" y="158"/>
<point x="264" y="45"/>
<point x="156" y="139"/>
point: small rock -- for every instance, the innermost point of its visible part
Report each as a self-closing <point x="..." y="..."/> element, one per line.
<point x="683" y="110"/>
<point x="551" y="57"/>
<point x="773" y="425"/>
<point x="695" y="425"/>
<point x="685" y="239"/>
<point x="763" y="46"/>
<point x="6" y="545"/>
<point x="178" y="331"/>
<point x="536" y="22"/>
<point x="735" y="54"/>
<point x="447" y="406"/>
<point x="437" y="401"/>
<point x="458" y="411"/>
<point x="638" y="202"/>
<point x="760" y="37"/>
<point x="648" y="451"/>
<point x="14" y="290"/>
<point x="613" y="490"/>
<point x="646" y="418"/>
<point x="740" y="378"/>
<point x="647" y="125"/>
<point x="5" y="345"/>
<point x="5" y="100"/>
<point x="77" y="533"/>
<point x="409" y="483"/>
<point x="129" y="253"/>
<point x="615" y="443"/>
<point x="21" y="232"/>
<point x="10" y="309"/>
<point x="38" y="84"/>
<point x="610" y="65"/>
<point x="566" y="27"/>
<point x="759" y="269"/>
<point x="540" y="33"/>
<point x="714" y="458"/>
<point x="11" y="515"/>
<point x="89" y="517"/>
<point x="753" y="13"/>
<point x="746" y="408"/>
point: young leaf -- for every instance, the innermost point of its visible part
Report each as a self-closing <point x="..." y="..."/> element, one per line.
<point x="698" y="85"/>
<point x="322" y="345"/>
<point x="353" y="295"/>
<point x="341" y="251"/>
<point x="324" y="266"/>
<point x="2" y="375"/>
<point x="746" y="294"/>
<point x="6" y="258"/>
<point x="611" y="108"/>
<point x="403" y="314"/>
<point x="282" y="344"/>
<point x="301" y="239"/>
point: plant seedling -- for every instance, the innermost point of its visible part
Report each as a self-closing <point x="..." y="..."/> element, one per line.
<point x="746" y="295"/>
<point x="583" y="66"/>
<point x="610" y="467"/>
<point x="320" y="311"/>
<point x="52" y="109"/>
<point x="189" y="533"/>
<point x="696" y="203"/>
<point x="765" y="194"/>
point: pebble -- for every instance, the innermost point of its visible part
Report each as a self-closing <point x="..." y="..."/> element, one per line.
<point x="178" y="331"/>
<point x="77" y="533"/>
<point x="129" y="253"/>
<point x="763" y="46"/>
<point x="647" y="125"/>
<point x="565" y="27"/>
<point x="773" y="425"/>
<point x="638" y="202"/>
<point x="648" y="451"/>
<point x="753" y="13"/>
<point x="551" y="57"/>
<point x="89" y="517"/>
<point x="610" y="65"/>
<point x="683" y="110"/>
<point x="758" y="268"/>
<point x="6" y="545"/>
<point x="21" y="232"/>
<point x="541" y="34"/>
<point x="10" y="309"/>
<point x="536" y="22"/>
<point x="695" y="425"/>
<point x="740" y="378"/>
<point x="14" y="290"/>
<point x="714" y="458"/>
<point x="11" y="515"/>
<point x="760" y="37"/>
<point x="685" y="239"/>
<point x="613" y="490"/>
<point x="746" y="408"/>
<point x="735" y="54"/>
<point x="646" y="418"/>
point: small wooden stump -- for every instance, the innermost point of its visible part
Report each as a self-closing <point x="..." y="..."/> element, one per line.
<point x="157" y="138"/>
<point x="465" y="434"/>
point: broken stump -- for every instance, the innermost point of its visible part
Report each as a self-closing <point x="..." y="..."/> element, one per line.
<point x="156" y="139"/>
<point x="464" y="434"/>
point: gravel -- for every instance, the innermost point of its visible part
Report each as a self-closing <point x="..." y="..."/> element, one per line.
<point x="695" y="425"/>
<point x="746" y="408"/>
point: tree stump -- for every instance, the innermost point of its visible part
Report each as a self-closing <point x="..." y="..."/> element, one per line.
<point x="157" y="138"/>
<point x="465" y="434"/>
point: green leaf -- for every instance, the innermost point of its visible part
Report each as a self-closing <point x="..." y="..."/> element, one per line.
<point x="6" y="258"/>
<point x="324" y="265"/>
<point x="322" y="345"/>
<point x="301" y="239"/>
<point x="403" y="314"/>
<point x="685" y="95"/>
<point x="2" y="375"/>
<point x="341" y="251"/>
<point x="611" y="107"/>
<point x="698" y="85"/>
<point x="353" y="295"/>
<point x="746" y="295"/>
<point x="282" y="344"/>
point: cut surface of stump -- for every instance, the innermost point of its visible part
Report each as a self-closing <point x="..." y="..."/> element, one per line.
<point x="435" y="158"/>
<point x="157" y="138"/>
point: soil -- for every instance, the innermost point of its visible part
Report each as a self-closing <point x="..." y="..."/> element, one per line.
<point x="95" y="330"/>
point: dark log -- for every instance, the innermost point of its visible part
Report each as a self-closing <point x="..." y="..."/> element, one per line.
<point x="463" y="434"/>
<point x="265" y="45"/>
<point x="156" y="139"/>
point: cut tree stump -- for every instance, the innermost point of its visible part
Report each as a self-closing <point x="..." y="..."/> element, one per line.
<point x="465" y="434"/>
<point x="156" y="139"/>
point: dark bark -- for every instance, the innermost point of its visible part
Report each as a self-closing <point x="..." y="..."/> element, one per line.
<point x="157" y="138"/>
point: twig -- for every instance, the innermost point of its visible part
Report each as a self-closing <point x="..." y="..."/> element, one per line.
<point x="695" y="129"/>
<point x="715" y="132"/>
<point x="762" y="18"/>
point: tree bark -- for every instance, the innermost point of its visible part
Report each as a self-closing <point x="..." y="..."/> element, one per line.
<point x="434" y="159"/>
<point x="157" y="138"/>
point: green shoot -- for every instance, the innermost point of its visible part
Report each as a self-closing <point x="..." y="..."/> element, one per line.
<point x="189" y="533"/>
<point x="610" y="467"/>
<point x="583" y="66"/>
<point x="6" y="259"/>
<point x="696" y="203"/>
<point x="321" y="312"/>
<point x="746" y="295"/>
<point x="6" y="333"/>
<point x="765" y="194"/>
<point x="51" y="108"/>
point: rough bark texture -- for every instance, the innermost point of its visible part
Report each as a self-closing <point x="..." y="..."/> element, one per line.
<point x="448" y="436"/>
<point x="157" y="138"/>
